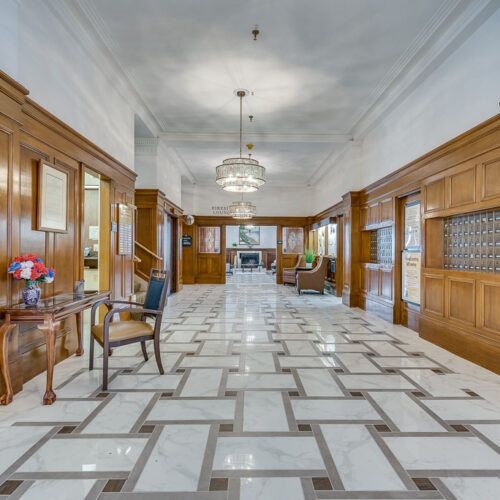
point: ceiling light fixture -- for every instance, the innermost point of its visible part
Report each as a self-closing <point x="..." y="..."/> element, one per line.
<point x="255" y="31"/>
<point x="242" y="210"/>
<point x="240" y="175"/>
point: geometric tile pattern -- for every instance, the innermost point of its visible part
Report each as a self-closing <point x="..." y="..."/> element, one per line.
<point x="266" y="395"/>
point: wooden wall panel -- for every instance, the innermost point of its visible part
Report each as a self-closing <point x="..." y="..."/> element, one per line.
<point x="386" y="285"/>
<point x="490" y="178"/>
<point x="490" y="307"/>
<point x="386" y="212"/>
<point x="433" y="293"/>
<point x="462" y="300"/>
<point x="462" y="187"/>
<point x="434" y="195"/>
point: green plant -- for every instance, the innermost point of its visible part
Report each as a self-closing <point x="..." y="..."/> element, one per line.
<point x="235" y="244"/>
<point x="310" y="254"/>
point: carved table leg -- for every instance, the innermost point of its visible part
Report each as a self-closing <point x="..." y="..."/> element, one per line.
<point x="79" y="325"/>
<point x="49" y="329"/>
<point x="5" y="329"/>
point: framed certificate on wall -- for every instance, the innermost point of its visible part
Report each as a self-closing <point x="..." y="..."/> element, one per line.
<point x="52" y="213"/>
<point x="125" y="229"/>
<point x="412" y="225"/>
<point x="410" y="276"/>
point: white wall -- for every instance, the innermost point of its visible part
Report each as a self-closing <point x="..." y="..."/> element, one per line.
<point x="157" y="168"/>
<point x="270" y="201"/>
<point x="40" y="51"/>
<point x="461" y="93"/>
<point x="267" y="237"/>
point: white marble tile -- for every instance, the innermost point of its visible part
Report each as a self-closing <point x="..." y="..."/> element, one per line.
<point x="333" y="409"/>
<point x="307" y="362"/>
<point x="405" y="413"/>
<point x="250" y="336"/>
<point x="83" y="385"/>
<point x="145" y="382"/>
<point x="446" y="385"/>
<point x="334" y="348"/>
<point x="448" y="452"/>
<point x="173" y="347"/>
<point x="63" y="411"/>
<point x="202" y="382"/>
<point x="75" y="455"/>
<point x="357" y="362"/>
<point x="384" y="348"/>
<point x="267" y="453"/>
<point x="375" y="381"/>
<point x="120" y="414"/>
<point x="371" y="337"/>
<point x="319" y="382"/>
<point x="473" y="488"/>
<point x="210" y="361"/>
<point x="193" y="409"/>
<point x="300" y="348"/>
<point x="271" y="488"/>
<point x="359" y="460"/>
<point x="472" y="409"/>
<point x="168" y="360"/>
<point x="61" y="489"/>
<point x="260" y="381"/>
<point x="217" y="347"/>
<point x="294" y="336"/>
<point x="219" y="336"/>
<point x="175" y="462"/>
<point x="180" y="337"/>
<point x="491" y="431"/>
<point x="259" y="362"/>
<point x="405" y="362"/>
<point x="257" y="347"/>
<point x="16" y="441"/>
<point x="264" y="411"/>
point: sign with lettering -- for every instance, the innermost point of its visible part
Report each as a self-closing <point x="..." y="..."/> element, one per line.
<point x="187" y="240"/>
<point x="410" y="277"/>
<point x="125" y="230"/>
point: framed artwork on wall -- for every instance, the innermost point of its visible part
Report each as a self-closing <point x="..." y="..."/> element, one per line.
<point x="332" y="240"/>
<point x="293" y="240"/>
<point x="249" y="235"/>
<point x="52" y="213"/>
<point x="209" y="239"/>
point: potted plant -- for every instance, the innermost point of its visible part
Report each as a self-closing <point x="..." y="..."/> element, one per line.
<point x="235" y="245"/>
<point x="32" y="270"/>
<point x="310" y="254"/>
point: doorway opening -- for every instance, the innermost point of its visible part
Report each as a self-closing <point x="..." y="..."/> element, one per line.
<point x="170" y="250"/>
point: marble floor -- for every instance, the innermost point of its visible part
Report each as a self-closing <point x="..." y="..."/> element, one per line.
<point x="266" y="395"/>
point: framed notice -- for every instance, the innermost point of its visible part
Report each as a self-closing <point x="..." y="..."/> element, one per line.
<point x="412" y="225"/>
<point x="52" y="198"/>
<point x="125" y="233"/>
<point x="410" y="276"/>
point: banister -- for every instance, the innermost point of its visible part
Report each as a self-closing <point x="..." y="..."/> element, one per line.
<point x="149" y="251"/>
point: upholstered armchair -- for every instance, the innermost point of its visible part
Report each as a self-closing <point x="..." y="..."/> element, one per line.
<point x="117" y="333"/>
<point x="289" y="272"/>
<point x="315" y="279"/>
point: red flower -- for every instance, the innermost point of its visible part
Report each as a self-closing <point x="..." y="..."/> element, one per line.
<point x="17" y="274"/>
<point x="34" y="274"/>
<point x="18" y="259"/>
<point x="31" y="256"/>
<point x="40" y="268"/>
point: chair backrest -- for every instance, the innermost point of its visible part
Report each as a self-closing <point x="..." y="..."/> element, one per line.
<point x="156" y="294"/>
<point x="301" y="262"/>
<point x="321" y="266"/>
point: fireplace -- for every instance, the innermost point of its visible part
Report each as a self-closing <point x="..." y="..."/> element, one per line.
<point x="250" y="258"/>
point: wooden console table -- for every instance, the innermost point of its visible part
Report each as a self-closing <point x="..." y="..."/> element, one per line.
<point x="47" y="314"/>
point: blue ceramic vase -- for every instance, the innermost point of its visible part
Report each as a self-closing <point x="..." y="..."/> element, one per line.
<point x="31" y="293"/>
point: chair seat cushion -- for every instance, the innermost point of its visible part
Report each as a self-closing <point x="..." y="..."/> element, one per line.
<point x="123" y="330"/>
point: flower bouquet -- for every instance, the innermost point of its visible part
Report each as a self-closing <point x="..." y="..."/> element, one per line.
<point x="32" y="270"/>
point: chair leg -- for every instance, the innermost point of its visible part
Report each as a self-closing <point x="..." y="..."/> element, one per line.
<point x="91" y="353"/>
<point x="144" y="350"/>
<point x="105" y="353"/>
<point x="157" y="354"/>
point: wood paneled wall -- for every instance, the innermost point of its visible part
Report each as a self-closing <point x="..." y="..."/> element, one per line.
<point x="211" y="268"/>
<point x="459" y="309"/>
<point x="28" y="133"/>
<point x="153" y="208"/>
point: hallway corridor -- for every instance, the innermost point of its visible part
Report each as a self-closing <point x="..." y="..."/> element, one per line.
<point x="266" y="395"/>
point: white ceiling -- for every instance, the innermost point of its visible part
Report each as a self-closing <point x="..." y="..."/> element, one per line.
<point x="316" y="70"/>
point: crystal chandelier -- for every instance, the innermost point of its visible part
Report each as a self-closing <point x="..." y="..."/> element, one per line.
<point x="242" y="210"/>
<point x="241" y="175"/>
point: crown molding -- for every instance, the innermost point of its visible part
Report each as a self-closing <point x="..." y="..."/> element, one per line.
<point x="146" y="146"/>
<point x="451" y="26"/>
<point x="74" y="18"/>
<point x="258" y="137"/>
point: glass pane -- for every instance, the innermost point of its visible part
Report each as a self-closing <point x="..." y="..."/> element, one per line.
<point x="209" y="239"/>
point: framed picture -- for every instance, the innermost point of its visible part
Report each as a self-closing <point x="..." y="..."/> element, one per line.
<point x="125" y="229"/>
<point x="412" y="225"/>
<point x="52" y="213"/>
<point x="410" y="276"/>
<point x="209" y="239"/>
<point x="249" y="235"/>
<point x="293" y="240"/>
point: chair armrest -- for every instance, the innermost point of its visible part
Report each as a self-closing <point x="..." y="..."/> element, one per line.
<point x="107" y="303"/>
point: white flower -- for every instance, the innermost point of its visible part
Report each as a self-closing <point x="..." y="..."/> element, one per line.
<point x="49" y="280"/>
<point x="27" y="264"/>
<point x="26" y="273"/>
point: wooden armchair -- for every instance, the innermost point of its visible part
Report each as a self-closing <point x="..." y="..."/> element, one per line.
<point x="315" y="279"/>
<point x="117" y="333"/>
<point x="289" y="272"/>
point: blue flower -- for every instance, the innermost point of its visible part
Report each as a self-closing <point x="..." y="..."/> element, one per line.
<point x="13" y="267"/>
<point x="39" y="260"/>
<point x="50" y="273"/>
